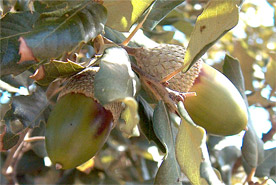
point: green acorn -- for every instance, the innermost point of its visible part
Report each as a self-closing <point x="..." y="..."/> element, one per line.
<point x="218" y="106"/>
<point x="78" y="126"/>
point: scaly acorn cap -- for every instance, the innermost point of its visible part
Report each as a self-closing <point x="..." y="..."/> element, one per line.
<point x="83" y="83"/>
<point x="162" y="60"/>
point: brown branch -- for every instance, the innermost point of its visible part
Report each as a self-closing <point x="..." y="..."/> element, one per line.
<point x="171" y="75"/>
<point x="9" y="167"/>
<point x="250" y="176"/>
<point x="157" y="89"/>
<point x="35" y="138"/>
<point x="237" y="164"/>
<point x="269" y="135"/>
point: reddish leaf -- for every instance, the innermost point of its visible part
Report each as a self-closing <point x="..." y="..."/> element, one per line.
<point x="24" y="51"/>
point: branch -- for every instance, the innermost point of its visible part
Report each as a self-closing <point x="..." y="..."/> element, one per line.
<point x="15" y="154"/>
<point x="157" y="89"/>
<point x="35" y="138"/>
<point x="269" y="135"/>
<point x="250" y="176"/>
<point x="237" y="164"/>
<point x="171" y="75"/>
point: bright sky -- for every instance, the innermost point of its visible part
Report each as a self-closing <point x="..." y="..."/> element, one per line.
<point x="263" y="16"/>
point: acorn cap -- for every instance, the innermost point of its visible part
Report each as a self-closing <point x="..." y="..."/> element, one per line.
<point x="164" y="59"/>
<point x="83" y="83"/>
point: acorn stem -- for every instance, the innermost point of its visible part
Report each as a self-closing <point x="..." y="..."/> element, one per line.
<point x="35" y="138"/>
<point x="125" y="42"/>
<point x="189" y="94"/>
<point x="157" y="89"/>
<point x="171" y="75"/>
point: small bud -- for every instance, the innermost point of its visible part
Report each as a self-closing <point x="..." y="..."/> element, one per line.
<point x="58" y="166"/>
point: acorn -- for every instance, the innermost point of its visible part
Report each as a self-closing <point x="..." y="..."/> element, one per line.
<point x="218" y="106"/>
<point x="78" y="125"/>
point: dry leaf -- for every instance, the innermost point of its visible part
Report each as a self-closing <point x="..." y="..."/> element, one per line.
<point x="25" y="52"/>
<point x="39" y="74"/>
<point x="1" y="138"/>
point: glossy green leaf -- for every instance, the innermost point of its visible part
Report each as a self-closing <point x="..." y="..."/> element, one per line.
<point x="160" y="9"/>
<point x="30" y="163"/>
<point x="52" y="36"/>
<point x="116" y="36"/>
<point x="232" y="69"/>
<point x="185" y="26"/>
<point x="252" y="148"/>
<point x="14" y="25"/>
<point x="265" y="168"/>
<point x="146" y="122"/>
<point x="191" y="151"/>
<point x="9" y="139"/>
<point x="242" y="53"/>
<point x="227" y="157"/>
<point x="58" y="69"/>
<point x="123" y="14"/>
<point x="217" y="18"/>
<point x="188" y="152"/>
<point x="26" y="111"/>
<point x="169" y="171"/>
<point x="115" y="79"/>
<point x="57" y="3"/>
<point x="179" y="21"/>
<point x="57" y="6"/>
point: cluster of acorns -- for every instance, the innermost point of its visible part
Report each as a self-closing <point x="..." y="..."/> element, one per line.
<point x="79" y="126"/>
